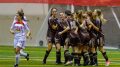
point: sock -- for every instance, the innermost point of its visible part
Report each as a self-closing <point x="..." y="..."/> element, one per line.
<point x="95" y="58"/>
<point x="17" y="57"/>
<point x="82" y="54"/>
<point x="76" y="60"/>
<point x="86" y="58"/>
<point x="46" y="55"/>
<point x="22" y="53"/>
<point x="91" y="58"/>
<point x="79" y="58"/>
<point x="66" y="53"/>
<point x="105" y="56"/>
<point x="58" y="57"/>
<point x="72" y="56"/>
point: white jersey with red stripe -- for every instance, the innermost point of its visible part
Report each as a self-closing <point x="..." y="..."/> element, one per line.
<point x="19" y="29"/>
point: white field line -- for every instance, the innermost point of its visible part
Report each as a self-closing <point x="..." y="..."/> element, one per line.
<point x="37" y="59"/>
<point x="12" y="57"/>
<point x="101" y="64"/>
<point x="116" y="18"/>
<point x="115" y="62"/>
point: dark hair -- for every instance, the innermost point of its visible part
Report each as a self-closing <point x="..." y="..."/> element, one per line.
<point x="52" y="10"/>
<point x="68" y="13"/>
<point x="21" y="14"/>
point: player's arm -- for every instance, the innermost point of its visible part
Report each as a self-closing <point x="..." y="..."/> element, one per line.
<point x="29" y="34"/>
<point x="95" y="27"/>
<point x="12" y="27"/>
<point x="89" y="27"/>
<point x="76" y="30"/>
<point x="65" y="30"/>
<point x="52" y="24"/>
<point x="103" y="19"/>
<point x="28" y="31"/>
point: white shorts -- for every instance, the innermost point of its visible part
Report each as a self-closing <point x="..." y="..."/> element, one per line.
<point x="19" y="42"/>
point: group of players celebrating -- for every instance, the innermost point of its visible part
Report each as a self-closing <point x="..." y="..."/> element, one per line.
<point x="82" y="31"/>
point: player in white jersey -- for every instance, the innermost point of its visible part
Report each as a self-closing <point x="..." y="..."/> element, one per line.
<point x="19" y="28"/>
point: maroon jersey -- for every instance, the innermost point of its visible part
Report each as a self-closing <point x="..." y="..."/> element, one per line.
<point x="52" y="33"/>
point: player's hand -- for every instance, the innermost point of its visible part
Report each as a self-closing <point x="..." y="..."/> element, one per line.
<point x="76" y="32"/>
<point x="28" y="36"/>
<point x="54" y="27"/>
<point x="12" y="32"/>
<point x="60" y="33"/>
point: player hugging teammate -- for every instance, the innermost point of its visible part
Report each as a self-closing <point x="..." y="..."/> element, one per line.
<point x="82" y="31"/>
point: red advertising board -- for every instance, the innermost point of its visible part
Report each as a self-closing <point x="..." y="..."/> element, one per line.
<point x="74" y="2"/>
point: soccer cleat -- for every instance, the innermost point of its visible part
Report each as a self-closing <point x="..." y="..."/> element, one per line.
<point x="77" y="64"/>
<point x="107" y="63"/>
<point x="59" y="62"/>
<point x="86" y="63"/>
<point x="69" y="63"/>
<point x="16" y="65"/>
<point x="27" y="57"/>
<point x="93" y="64"/>
<point x="43" y="62"/>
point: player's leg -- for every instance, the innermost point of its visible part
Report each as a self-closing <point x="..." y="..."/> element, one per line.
<point x="101" y="49"/>
<point x="57" y="39"/>
<point x="66" y="50"/>
<point x="85" y="55"/>
<point x="77" y="54"/>
<point x="49" y="48"/>
<point x="47" y="52"/>
<point x="18" y="47"/>
<point x="17" y="57"/>
<point x="26" y="55"/>
<point x="68" y="56"/>
<point x="92" y="54"/>
<point x="58" y="53"/>
<point x="22" y="53"/>
<point x="77" y="51"/>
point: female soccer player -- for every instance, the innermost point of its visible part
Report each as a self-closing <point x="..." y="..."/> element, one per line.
<point x="18" y="29"/>
<point x="74" y="39"/>
<point x="64" y="33"/>
<point x="53" y="37"/>
<point x="100" y="36"/>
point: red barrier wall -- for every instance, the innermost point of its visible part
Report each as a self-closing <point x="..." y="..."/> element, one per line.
<point x="74" y="2"/>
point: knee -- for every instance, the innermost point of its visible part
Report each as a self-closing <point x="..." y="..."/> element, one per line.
<point x="58" y="49"/>
<point x="49" y="49"/>
<point x="17" y="51"/>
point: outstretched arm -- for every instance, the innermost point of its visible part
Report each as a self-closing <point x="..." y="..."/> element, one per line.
<point x="65" y="30"/>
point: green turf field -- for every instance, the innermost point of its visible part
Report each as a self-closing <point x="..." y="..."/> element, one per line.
<point x="36" y="54"/>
